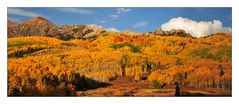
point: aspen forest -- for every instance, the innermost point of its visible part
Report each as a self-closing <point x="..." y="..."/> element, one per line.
<point x="46" y="66"/>
<point x="118" y="52"/>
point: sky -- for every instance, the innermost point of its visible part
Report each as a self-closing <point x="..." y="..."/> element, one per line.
<point x="137" y="19"/>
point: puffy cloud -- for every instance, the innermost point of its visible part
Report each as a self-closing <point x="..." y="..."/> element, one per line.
<point x="195" y="28"/>
<point x="122" y="10"/>
<point x="22" y="12"/>
<point x="76" y="10"/>
<point x="112" y="29"/>
<point x="140" y="24"/>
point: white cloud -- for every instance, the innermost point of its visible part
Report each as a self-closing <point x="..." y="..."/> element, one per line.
<point x="76" y="10"/>
<point x="101" y="27"/>
<point x="114" y="16"/>
<point x="195" y="28"/>
<point x="140" y="24"/>
<point x="21" y="12"/>
<point x="13" y="19"/>
<point x="119" y="12"/>
<point x="101" y="21"/>
<point x="113" y="29"/>
<point x="122" y="10"/>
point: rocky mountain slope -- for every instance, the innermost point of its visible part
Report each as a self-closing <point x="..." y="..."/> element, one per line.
<point x="10" y="28"/>
<point x="173" y="32"/>
<point x="39" y="26"/>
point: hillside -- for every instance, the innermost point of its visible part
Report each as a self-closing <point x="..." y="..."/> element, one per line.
<point x="41" y="66"/>
<point x="10" y="23"/>
<point x="10" y="28"/>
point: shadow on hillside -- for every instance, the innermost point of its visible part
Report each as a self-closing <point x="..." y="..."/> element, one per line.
<point x="88" y="84"/>
<point x="52" y="86"/>
<point x="198" y="94"/>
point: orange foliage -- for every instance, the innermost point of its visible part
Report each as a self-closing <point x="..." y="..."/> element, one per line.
<point x="162" y="58"/>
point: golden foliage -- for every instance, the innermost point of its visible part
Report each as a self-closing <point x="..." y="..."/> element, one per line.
<point x="162" y="58"/>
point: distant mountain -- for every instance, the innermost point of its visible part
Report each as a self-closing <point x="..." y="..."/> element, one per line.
<point x="173" y="32"/>
<point x="37" y="21"/>
<point x="10" y="27"/>
<point x="131" y="32"/>
<point x="67" y="32"/>
<point x="39" y="26"/>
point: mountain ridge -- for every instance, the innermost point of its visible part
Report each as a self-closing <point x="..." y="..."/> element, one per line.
<point x="40" y="26"/>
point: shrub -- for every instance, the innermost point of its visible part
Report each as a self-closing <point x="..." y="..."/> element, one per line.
<point x="134" y="48"/>
<point x="180" y="77"/>
<point x="26" y="50"/>
<point x="125" y="61"/>
<point x="14" y="92"/>
<point x="224" y="53"/>
<point x="207" y="43"/>
<point x="201" y="53"/>
<point x="182" y="44"/>
<point x="156" y="84"/>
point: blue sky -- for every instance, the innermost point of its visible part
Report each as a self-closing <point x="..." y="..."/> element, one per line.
<point x="138" y="19"/>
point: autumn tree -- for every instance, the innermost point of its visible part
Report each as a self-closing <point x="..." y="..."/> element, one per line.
<point x="221" y="72"/>
<point x="148" y="66"/>
<point x="124" y="62"/>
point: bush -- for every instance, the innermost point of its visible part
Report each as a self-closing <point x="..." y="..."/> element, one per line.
<point x="182" y="44"/>
<point x="148" y="65"/>
<point x="223" y="53"/>
<point x="207" y="43"/>
<point x="14" y="92"/>
<point x="156" y="84"/>
<point x="26" y="50"/>
<point x="180" y="78"/>
<point x="125" y="61"/>
<point x="202" y="53"/>
<point x="134" y="49"/>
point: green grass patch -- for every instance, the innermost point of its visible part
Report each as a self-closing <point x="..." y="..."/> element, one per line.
<point x="22" y="43"/>
<point x="222" y="53"/>
<point x="156" y="84"/>
<point x="134" y="48"/>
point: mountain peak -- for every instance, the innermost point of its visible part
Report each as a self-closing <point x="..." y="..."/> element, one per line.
<point x="37" y="21"/>
<point x="34" y="26"/>
<point x="40" y="18"/>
